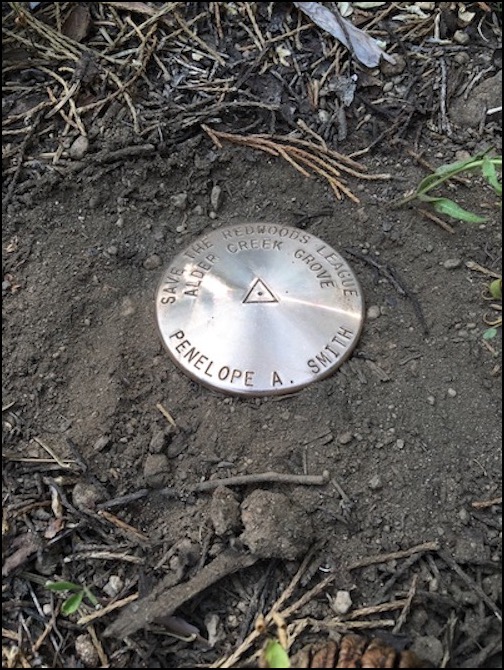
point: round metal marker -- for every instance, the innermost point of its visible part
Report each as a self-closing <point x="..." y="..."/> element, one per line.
<point x="259" y="309"/>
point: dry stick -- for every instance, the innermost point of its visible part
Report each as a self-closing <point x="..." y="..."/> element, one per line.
<point x="165" y="602"/>
<point x="378" y="609"/>
<point x="103" y="556"/>
<point x="198" y="40"/>
<point x="106" y="610"/>
<point x="98" y="646"/>
<point x="287" y="593"/>
<point x="243" y="480"/>
<point x="482" y="504"/>
<point x="405" y="567"/>
<point x="407" y="606"/>
<point x="445" y="556"/>
<point x="436" y="219"/>
<point x="384" y="558"/>
<point x="122" y="525"/>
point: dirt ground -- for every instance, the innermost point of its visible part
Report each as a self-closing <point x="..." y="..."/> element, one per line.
<point x="408" y="429"/>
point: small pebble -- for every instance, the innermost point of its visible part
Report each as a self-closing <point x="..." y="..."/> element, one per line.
<point x="452" y="263"/>
<point x="112" y="250"/>
<point x="395" y="68"/>
<point x="375" y="483"/>
<point x="431" y="400"/>
<point x="345" y="438"/>
<point x="400" y="444"/>
<point x="86" y="651"/>
<point x="342" y="603"/>
<point x="179" y="200"/>
<point x="451" y="393"/>
<point x="373" y="312"/>
<point x="86" y="495"/>
<point x="113" y="586"/>
<point x="152" y="262"/>
<point x="79" y="148"/>
<point x="461" y="37"/>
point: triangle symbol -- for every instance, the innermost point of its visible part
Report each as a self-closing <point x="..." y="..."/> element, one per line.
<point x="259" y="292"/>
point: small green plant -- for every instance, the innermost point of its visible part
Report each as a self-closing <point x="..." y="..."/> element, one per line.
<point x="488" y="166"/>
<point x="78" y="593"/>
<point x="494" y="293"/>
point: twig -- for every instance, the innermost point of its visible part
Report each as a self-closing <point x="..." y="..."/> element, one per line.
<point x="436" y="219"/>
<point x="472" y="265"/>
<point x="244" y="480"/>
<point x="378" y="609"/>
<point x="122" y="525"/>
<point x="384" y="558"/>
<point x="103" y="556"/>
<point x="98" y="646"/>
<point x="51" y="453"/>
<point x="107" y="609"/>
<point x="452" y="563"/>
<point x="165" y="602"/>
<point x="166" y="414"/>
<point x="123" y="500"/>
<point x="389" y="273"/>
<point x="482" y="504"/>
<point x="407" y="606"/>
<point x="198" y="39"/>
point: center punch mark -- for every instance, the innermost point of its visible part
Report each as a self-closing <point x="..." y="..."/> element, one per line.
<point x="259" y="292"/>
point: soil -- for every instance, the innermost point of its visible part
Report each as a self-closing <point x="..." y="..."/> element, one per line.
<point x="409" y="428"/>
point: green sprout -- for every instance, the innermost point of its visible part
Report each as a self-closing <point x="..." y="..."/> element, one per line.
<point x="78" y="593"/>
<point x="495" y="322"/>
<point x="274" y="655"/>
<point x="488" y="166"/>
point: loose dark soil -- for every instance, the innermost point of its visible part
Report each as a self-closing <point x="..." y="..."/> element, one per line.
<point x="409" y="429"/>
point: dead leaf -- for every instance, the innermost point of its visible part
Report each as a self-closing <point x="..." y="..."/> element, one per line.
<point x="53" y="528"/>
<point x="77" y="23"/>
<point x="364" y="47"/>
<point x="24" y="546"/>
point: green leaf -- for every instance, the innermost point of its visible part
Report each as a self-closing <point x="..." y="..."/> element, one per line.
<point x="495" y="289"/>
<point x="72" y="604"/>
<point x="490" y="333"/>
<point x="490" y="174"/>
<point x="91" y="597"/>
<point x="275" y="655"/>
<point x="63" y="586"/>
<point x="451" y="169"/>
<point x="450" y="208"/>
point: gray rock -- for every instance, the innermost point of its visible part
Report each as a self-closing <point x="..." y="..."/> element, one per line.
<point x="85" y="495"/>
<point x="152" y="262"/>
<point x="79" y="148"/>
<point x="179" y="200"/>
<point x="224" y="511"/>
<point x="373" y="312"/>
<point x="375" y="483"/>
<point x="452" y="263"/>
<point x="155" y="469"/>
